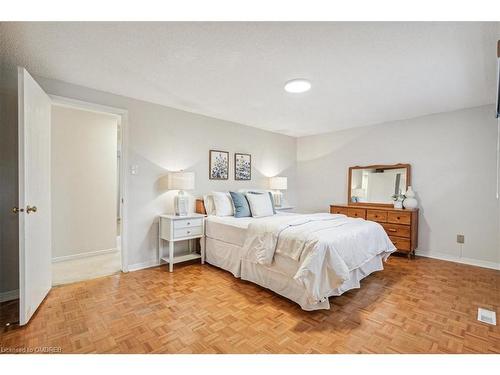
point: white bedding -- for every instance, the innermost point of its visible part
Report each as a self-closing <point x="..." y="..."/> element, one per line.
<point x="320" y="255"/>
<point x="228" y="229"/>
<point x="326" y="247"/>
<point x="231" y="229"/>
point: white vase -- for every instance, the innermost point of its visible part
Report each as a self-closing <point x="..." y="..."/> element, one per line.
<point x="410" y="201"/>
<point x="410" y="193"/>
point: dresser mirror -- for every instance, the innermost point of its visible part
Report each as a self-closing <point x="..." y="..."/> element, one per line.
<point x="376" y="184"/>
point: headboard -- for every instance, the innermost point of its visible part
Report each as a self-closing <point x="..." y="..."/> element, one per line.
<point x="200" y="207"/>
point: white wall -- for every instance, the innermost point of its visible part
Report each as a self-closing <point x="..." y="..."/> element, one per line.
<point x="453" y="159"/>
<point x="163" y="139"/>
<point x="84" y="181"/>
<point x="452" y="156"/>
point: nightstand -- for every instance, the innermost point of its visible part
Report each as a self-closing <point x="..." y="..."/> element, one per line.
<point x="173" y="229"/>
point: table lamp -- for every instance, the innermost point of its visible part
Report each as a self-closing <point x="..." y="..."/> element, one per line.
<point x="181" y="181"/>
<point x="278" y="184"/>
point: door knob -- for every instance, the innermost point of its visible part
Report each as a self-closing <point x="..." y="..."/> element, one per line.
<point x="30" y="209"/>
<point x="16" y="210"/>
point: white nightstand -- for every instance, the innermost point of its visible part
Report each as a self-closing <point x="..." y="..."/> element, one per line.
<point x="174" y="228"/>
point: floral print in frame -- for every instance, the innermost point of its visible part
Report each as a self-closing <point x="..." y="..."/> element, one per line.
<point x="242" y="167"/>
<point x="218" y="165"/>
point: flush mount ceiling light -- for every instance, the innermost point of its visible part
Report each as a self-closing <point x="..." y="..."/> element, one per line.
<point x="296" y="86"/>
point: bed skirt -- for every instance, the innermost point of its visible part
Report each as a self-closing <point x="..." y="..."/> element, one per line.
<point x="288" y="287"/>
<point x="223" y="255"/>
<point x="279" y="277"/>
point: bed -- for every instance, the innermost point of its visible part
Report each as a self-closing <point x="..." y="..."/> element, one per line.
<point x="305" y="258"/>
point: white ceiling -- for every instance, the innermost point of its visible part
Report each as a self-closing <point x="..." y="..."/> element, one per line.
<point x="361" y="73"/>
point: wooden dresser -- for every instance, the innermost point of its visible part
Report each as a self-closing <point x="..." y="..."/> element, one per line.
<point x="400" y="224"/>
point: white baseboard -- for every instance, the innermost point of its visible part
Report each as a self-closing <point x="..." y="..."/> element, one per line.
<point x="456" y="259"/>
<point x="9" y="296"/>
<point x="143" y="265"/>
<point x="83" y="255"/>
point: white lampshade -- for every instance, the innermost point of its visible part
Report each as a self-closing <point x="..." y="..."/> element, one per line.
<point x="278" y="183"/>
<point x="180" y="181"/>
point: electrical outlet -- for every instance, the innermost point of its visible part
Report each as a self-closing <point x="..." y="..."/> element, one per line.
<point x="460" y="238"/>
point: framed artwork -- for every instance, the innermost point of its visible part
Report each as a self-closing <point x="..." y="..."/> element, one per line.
<point x="218" y="165"/>
<point x="242" y="166"/>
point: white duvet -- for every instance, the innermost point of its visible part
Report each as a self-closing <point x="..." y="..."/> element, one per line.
<point x="327" y="247"/>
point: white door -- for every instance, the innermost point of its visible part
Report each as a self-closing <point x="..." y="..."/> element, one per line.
<point x="35" y="272"/>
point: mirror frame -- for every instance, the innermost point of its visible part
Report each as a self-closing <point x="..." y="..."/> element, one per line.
<point x="376" y="166"/>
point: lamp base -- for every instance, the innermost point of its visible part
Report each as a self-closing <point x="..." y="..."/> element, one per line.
<point x="181" y="204"/>
<point x="277" y="196"/>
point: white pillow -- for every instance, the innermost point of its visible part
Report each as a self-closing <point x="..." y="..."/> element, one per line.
<point x="223" y="204"/>
<point x="208" y="200"/>
<point x="246" y="191"/>
<point x="260" y="204"/>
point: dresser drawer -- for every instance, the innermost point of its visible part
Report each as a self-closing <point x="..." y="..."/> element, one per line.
<point x="399" y="217"/>
<point x="376" y="215"/>
<point x="397" y="230"/>
<point x="356" y="212"/>
<point x="338" y="210"/>
<point x="402" y="244"/>
<point x="187" y="232"/>
<point x="186" y="223"/>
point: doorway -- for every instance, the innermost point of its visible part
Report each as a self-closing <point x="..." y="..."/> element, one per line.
<point x="86" y="188"/>
<point x="26" y="216"/>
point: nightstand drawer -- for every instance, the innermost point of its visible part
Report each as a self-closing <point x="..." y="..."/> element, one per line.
<point x="186" y="223"/>
<point x="187" y="232"/>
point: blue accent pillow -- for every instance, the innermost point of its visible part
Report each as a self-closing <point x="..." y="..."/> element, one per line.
<point x="270" y="197"/>
<point x="241" y="206"/>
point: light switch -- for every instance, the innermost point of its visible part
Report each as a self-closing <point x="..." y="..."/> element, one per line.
<point x="134" y="169"/>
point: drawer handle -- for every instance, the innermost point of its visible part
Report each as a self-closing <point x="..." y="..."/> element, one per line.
<point x="188" y="223"/>
<point x="391" y="230"/>
<point x="188" y="232"/>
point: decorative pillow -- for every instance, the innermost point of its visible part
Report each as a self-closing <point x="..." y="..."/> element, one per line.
<point x="270" y="197"/>
<point x="208" y="201"/>
<point x="223" y="204"/>
<point x="260" y="205"/>
<point x="254" y="190"/>
<point x="240" y="203"/>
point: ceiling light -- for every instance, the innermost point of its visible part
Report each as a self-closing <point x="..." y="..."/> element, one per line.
<point x="296" y="86"/>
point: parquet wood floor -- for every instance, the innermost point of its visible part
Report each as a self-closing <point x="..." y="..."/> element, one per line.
<point x="413" y="306"/>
